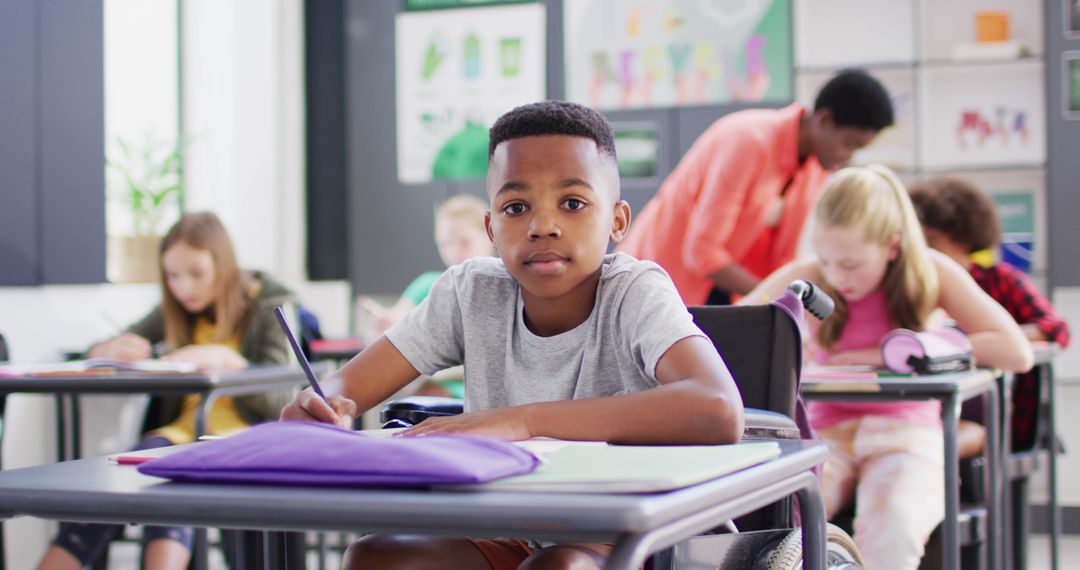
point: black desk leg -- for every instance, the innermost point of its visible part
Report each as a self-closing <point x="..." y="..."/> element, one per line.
<point x="76" y="428"/>
<point x="1021" y="523"/>
<point x="61" y="428"/>
<point x="1055" y="512"/>
<point x="199" y="550"/>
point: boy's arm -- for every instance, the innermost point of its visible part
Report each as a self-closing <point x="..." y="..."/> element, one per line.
<point x="1031" y="309"/>
<point x="697" y="403"/>
<point x="369" y="378"/>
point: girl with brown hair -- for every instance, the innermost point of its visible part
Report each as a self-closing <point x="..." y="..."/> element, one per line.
<point x="212" y="314"/>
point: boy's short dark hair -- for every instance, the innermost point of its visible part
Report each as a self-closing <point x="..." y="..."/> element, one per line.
<point x="553" y="118"/>
<point x="857" y="100"/>
<point x="956" y="208"/>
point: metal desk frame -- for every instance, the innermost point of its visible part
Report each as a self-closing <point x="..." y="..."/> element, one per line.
<point x="209" y="386"/>
<point x="638" y="524"/>
<point x="952" y="390"/>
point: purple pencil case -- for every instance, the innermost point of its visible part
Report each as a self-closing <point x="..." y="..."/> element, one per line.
<point x="307" y="453"/>
<point x="927" y="352"/>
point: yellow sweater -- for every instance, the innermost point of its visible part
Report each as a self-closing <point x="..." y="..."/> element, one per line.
<point x="223" y="418"/>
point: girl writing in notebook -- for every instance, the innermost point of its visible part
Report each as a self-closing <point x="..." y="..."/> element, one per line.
<point x="872" y="259"/>
<point x="215" y="315"/>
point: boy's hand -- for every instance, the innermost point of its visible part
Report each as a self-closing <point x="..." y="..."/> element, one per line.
<point x="504" y="423"/>
<point x="309" y="407"/>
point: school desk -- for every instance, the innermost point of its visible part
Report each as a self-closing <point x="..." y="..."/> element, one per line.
<point x="1026" y="462"/>
<point x="639" y="524"/>
<point x="209" y="386"/>
<point x="952" y="390"/>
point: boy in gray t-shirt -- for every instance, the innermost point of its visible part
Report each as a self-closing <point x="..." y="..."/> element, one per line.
<point x="557" y="338"/>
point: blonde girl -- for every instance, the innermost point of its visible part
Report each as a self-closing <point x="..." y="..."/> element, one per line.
<point x="213" y="314"/>
<point x="871" y="257"/>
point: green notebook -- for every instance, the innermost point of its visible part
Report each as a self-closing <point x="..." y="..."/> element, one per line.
<point x="594" y="468"/>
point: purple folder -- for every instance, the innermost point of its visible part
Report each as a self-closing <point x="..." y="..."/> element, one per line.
<point x="306" y="453"/>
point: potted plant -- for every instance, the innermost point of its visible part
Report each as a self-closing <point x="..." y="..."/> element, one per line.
<point x="145" y="185"/>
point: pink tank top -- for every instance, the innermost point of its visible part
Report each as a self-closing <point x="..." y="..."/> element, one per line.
<point x="868" y="322"/>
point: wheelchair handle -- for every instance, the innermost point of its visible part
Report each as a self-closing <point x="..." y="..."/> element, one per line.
<point x="813" y="299"/>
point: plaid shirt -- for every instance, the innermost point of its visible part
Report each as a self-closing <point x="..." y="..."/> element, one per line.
<point x="1014" y="291"/>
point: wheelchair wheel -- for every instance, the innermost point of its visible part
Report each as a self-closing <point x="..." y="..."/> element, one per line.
<point x="840" y="552"/>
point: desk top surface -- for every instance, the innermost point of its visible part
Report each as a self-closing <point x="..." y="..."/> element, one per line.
<point x="926" y="385"/>
<point x="100" y="490"/>
<point x="144" y="382"/>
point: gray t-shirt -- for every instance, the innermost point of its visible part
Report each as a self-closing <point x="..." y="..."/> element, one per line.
<point x="474" y="316"/>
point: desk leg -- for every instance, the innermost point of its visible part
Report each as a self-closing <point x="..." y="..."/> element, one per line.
<point x="61" y="427"/>
<point x="202" y="413"/>
<point x="1046" y="371"/>
<point x="200" y="550"/>
<point x="994" y="499"/>
<point x="950" y="551"/>
<point x="76" y="428"/>
<point x="630" y="550"/>
<point x="1010" y="518"/>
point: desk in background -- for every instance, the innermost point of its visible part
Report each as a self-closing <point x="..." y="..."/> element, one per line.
<point x="952" y="390"/>
<point x="1044" y="371"/>
<point x="209" y="386"/>
<point x="639" y="524"/>
<point x="337" y="349"/>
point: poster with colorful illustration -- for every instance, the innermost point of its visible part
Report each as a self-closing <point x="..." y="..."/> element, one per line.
<point x="1019" y="196"/>
<point x="983" y="115"/>
<point x="652" y="53"/>
<point x="1016" y="211"/>
<point x="457" y="71"/>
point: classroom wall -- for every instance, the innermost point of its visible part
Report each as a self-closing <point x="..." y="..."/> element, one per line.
<point x="51" y="146"/>
<point x="1063" y="205"/>
<point x="390" y="226"/>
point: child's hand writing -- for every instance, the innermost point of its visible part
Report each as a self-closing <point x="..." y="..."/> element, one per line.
<point x="126" y="346"/>
<point x="504" y="423"/>
<point x="308" y="406"/>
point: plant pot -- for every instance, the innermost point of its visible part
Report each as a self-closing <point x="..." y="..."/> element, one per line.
<point x="133" y="259"/>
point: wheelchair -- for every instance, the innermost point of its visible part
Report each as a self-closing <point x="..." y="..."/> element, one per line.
<point x="762" y="347"/>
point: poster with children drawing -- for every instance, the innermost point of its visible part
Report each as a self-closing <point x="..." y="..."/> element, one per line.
<point x="983" y="115"/>
<point x="653" y="53"/>
<point x="1019" y="197"/>
<point x="457" y="71"/>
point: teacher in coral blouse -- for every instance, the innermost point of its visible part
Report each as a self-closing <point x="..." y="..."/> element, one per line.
<point x="733" y="209"/>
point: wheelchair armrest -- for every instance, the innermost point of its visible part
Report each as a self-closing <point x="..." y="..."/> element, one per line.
<point x="763" y="424"/>
<point x="415" y="409"/>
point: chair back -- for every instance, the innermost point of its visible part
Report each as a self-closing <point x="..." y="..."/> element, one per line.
<point x="762" y="347"/>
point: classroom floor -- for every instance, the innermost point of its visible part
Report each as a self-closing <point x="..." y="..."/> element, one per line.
<point x="125" y="555"/>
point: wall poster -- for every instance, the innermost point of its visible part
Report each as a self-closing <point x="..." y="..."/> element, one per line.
<point x="653" y="53"/>
<point x="457" y="71"/>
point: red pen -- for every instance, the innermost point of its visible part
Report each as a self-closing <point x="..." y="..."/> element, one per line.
<point x="130" y="459"/>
